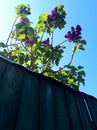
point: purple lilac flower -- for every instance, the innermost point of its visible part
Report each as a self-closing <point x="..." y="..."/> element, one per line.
<point x="54" y="12"/>
<point x="47" y="41"/>
<point x="25" y="39"/>
<point x="75" y="34"/>
<point x="30" y="43"/>
<point x="78" y="27"/>
<point x="23" y="20"/>
<point x="53" y="15"/>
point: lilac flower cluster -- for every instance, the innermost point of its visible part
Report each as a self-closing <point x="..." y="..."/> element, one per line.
<point x="75" y="34"/>
<point x="28" y="41"/>
<point x="55" y="18"/>
<point x="53" y="15"/>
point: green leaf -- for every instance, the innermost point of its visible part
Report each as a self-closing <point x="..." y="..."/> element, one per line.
<point x="83" y="42"/>
<point x="2" y="44"/>
<point x="33" y="47"/>
<point x="70" y="80"/>
<point x="41" y="29"/>
<point x="21" y="36"/>
<point x="31" y="30"/>
<point x="80" y="67"/>
<point x="81" y="47"/>
<point x="75" y="48"/>
<point x="43" y="17"/>
<point x="4" y="53"/>
<point x="49" y="30"/>
<point x="19" y="25"/>
<point x="83" y="73"/>
<point x="60" y="8"/>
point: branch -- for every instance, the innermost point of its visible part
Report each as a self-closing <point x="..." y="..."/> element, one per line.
<point x="25" y="48"/>
<point x="42" y="34"/>
<point x="72" y="56"/>
<point x="45" y="66"/>
<point x="61" y="43"/>
<point x="14" y="44"/>
<point x="10" y="34"/>
<point x="52" y="43"/>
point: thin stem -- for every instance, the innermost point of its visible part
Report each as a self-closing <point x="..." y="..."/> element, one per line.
<point x="11" y="32"/>
<point x="25" y="48"/>
<point x="14" y="44"/>
<point x="42" y="34"/>
<point x="72" y="56"/>
<point x="61" y="43"/>
<point x="71" y="59"/>
<point x="8" y="53"/>
<point x="52" y="37"/>
<point x="31" y="59"/>
<point x="52" y="44"/>
<point x="45" y="66"/>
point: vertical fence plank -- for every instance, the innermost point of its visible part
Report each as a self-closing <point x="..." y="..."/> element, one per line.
<point x="54" y="113"/>
<point x="10" y="85"/>
<point x="83" y="112"/>
<point x="28" y="109"/>
<point x="92" y="106"/>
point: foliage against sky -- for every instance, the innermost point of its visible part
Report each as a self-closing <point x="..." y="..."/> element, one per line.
<point x="33" y="47"/>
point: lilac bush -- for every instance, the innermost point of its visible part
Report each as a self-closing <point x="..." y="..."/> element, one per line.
<point x="33" y="47"/>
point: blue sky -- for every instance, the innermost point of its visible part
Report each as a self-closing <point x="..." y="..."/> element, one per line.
<point x="81" y="12"/>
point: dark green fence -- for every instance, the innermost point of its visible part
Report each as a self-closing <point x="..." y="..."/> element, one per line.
<point x="29" y="101"/>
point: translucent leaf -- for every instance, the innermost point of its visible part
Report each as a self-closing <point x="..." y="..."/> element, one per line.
<point x="75" y="48"/>
<point x="70" y="80"/>
<point x="43" y="17"/>
<point x="41" y="30"/>
<point x="21" y="36"/>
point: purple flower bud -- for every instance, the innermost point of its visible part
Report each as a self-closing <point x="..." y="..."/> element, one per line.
<point x="54" y="12"/>
<point x="78" y="27"/>
<point x="30" y="43"/>
<point x="47" y="41"/>
<point x="68" y="34"/>
<point x="51" y="18"/>
<point x="23" y="20"/>
<point x="25" y="39"/>
<point x="72" y="29"/>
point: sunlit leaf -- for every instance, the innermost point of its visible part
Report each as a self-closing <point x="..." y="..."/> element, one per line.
<point x="75" y="48"/>
<point x="43" y="17"/>
<point x="21" y="36"/>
